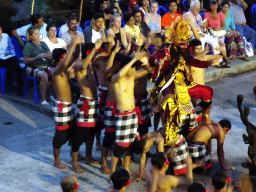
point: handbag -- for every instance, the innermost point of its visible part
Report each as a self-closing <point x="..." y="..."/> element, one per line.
<point x="248" y="48"/>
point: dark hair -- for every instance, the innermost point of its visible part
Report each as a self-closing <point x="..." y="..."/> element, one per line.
<point x="70" y="18"/>
<point x="109" y="11"/>
<point x="212" y="2"/>
<point x="225" y="3"/>
<point x="196" y="187"/>
<point x="34" y="18"/>
<point x="225" y="123"/>
<point x="68" y="183"/>
<point x="135" y="11"/>
<point x="123" y="59"/>
<point x="172" y="1"/>
<point x="158" y="159"/>
<point x="119" y="178"/>
<point x="71" y="15"/>
<point x="138" y="146"/>
<point x="97" y="16"/>
<point x="50" y="25"/>
<point x="56" y="54"/>
<point x="219" y="180"/>
<point x="127" y="17"/>
<point x="194" y="43"/>
<point x="102" y="1"/>
<point x="86" y="47"/>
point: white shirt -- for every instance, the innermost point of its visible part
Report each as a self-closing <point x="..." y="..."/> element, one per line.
<point x="22" y="31"/>
<point x="61" y="43"/>
<point x="6" y="47"/>
<point x="96" y="35"/>
<point x="64" y="29"/>
<point x="67" y="37"/>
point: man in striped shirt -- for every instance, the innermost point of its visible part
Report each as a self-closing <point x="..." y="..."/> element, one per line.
<point x="238" y="7"/>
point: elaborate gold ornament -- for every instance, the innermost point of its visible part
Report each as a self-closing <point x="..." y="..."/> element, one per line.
<point x="180" y="32"/>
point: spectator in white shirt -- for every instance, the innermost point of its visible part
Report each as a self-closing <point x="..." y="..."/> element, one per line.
<point x="52" y="41"/>
<point x="37" y="21"/>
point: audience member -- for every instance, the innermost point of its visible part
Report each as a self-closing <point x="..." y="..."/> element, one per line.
<point x="144" y="29"/>
<point x="9" y="61"/>
<point x="238" y="8"/>
<point x="153" y="19"/>
<point x="216" y="22"/>
<point x="52" y="41"/>
<point x="171" y="16"/>
<point x="69" y="184"/>
<point x="144" y="8"/>
<point x="133" y="5"/>
<point x="117" y="8"/>
<point x="96" y="30"/>
<point x="37" y="57"/>
<point x="120" y="180"/>
<point x="64" y="28"/>
<point x="132" y="30"/>
<point x="36" y="21"/>
<point x="235" y="42"/>
<point x="220" y="182"/>
<point x="116" y="31"/>
<point x="107" y="15"/>
<point x="204" y="133"/>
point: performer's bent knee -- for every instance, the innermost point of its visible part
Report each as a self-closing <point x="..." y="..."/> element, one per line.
<point x="60" y="138"/>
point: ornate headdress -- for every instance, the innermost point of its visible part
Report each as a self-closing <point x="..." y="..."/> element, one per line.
<point x="180" y="32"/>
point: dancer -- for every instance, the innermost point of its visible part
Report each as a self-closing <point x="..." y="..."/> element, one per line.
<point x="62" y="108"/>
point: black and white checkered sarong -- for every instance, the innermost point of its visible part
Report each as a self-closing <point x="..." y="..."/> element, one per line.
<point x="87" y="116"/>
<point x="109" y="117"/>
<point x="126" y="127"/>
<point x="63" y="115"/>
<point x="192" y="119"/>
<point x="142" y="102"/>
<point x="102" y="94"/>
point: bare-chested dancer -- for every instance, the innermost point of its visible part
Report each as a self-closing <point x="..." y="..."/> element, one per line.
<point x="87" y="105"/>
<point x="127" y="115"/>
<point x="62" y="108"/>
<point x="204" y="133"/>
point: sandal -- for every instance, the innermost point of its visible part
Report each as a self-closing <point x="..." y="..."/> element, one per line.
<point x="226" y="59"/>
<point x="244" y="57"/>
<point x="45" y="103"/>
<point x="223" y="65"/>
<point x="232" y="57"/>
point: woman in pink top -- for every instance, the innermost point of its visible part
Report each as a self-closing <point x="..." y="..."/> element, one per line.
<point x="216" y="21"/>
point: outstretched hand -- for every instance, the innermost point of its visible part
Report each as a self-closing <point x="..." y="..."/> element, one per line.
<point x="76" y="40"/>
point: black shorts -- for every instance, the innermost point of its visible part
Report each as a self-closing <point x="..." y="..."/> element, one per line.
<point x="109" y="139"/>
<point x="118" y="150"/>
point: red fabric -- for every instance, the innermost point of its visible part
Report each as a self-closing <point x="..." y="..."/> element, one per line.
<point x="86" y="124"/>
<point x="197" y="63"/>
<point x="62" y="128"/>
<point x="61" y="106"/>
<point x="201" y="92"/>
<point x="131" y="3"/>
<point x="179" y="142"/>
<point x="214" y="23"/>
<point x="111" y="104"/>
<point x="85" y="107"/>
<point x="181" y="171"/>
<point x="208" y="166"/>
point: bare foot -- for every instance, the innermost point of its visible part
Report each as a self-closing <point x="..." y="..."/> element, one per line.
<point x="98" y="147"/>
<point x="105" y="169"/>
<point x="77" y="169"/>
<point x="60" y="165"/>
<point x="90" y="160"/>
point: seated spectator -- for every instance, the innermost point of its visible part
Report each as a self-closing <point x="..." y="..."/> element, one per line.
<point x="144" y="9"/>
<point x="171" y="16"/>
<point x="156" y="178"/>
<point x="204" y="133"/>
<point x="235" y="42"/>
<point x="69" y="184"/>
<point x="153" y="19"/>
<point x="216" y="22"/>
<point x="104" y="4"/>
<point x="196" y="187"/>
<point x="221" y="182"/>
<point x="52" y="41"/>
<point x="144" y="29"/>
<point x="130" y="28"/>
<point x="36" y="21"/>
<point x="238" y="8"/>
<point x="9" y="61"/>
<point x="64" y="28"/>
<point x="116" y="31"/>
<point x="37" y="57"/>
<point x="196" y="19"/>
<point x="120" y="180"/>
<point x="117" y="8"/>
<point x="107" y="15"/>
<point x="96" y="30"/>
<point x="133" y="5"/>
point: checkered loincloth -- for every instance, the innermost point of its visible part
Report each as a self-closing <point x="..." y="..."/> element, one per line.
<point x="192" y="118"/>
<point x="102" y="94"/>
<point x="198" y="151"/>
<point x="127" y="127"/>
<point x="63" y="115"/>
<point x="179" y="161"/>
<point x="142" y="102"/>
<point x="87" y="116"/>
<point x="109" y="117"/>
